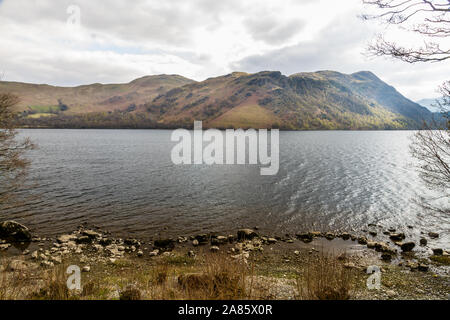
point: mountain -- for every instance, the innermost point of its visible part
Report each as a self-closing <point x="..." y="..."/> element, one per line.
<point x="39" y="98"/>
<point x="316" y="100"/>
<point x="430" y="104"/>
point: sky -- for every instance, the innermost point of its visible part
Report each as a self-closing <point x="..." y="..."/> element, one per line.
<point x="75" y="42"/>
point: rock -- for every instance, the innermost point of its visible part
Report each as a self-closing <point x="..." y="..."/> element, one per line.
<point x="66" y="238"/>
<point x="305" y="237"/>
<point x="130" y="293"/>
<point x="195" y="243"/>
<point x="91" y="234"/>
<point x="243" y="257"/>
<point x="214" y="249"/>
<point x="14" y="231"/>
<point x="246" y="234"/>
<point x="35" y="255"/>
<point x="397" y="236"/>
<point x="140" y="253"/>
<point x="56" y="260"/>
<point x="132" y="242"/>
<point x="408" y="246"/>
<point x="165" y="244"/>
<point x="362" y="240"/>
<point x="86" y="269"/>
<point x="330" y="236"/>
<point x="230" y="238"/>
<point x="215" y="241"/>
<point x="191" y="254"/>
<point x="391" y="294"/>
<point x="297" y="252"/>
<point x="373" y="233"/>
<point x="154" y="253"/>
<point x="423" y="242"/>
<point x="423" y="267"/>
<point x="272" y="240"/>
<point x="386" y="257"/>
<point x="438" y="252"/>
<point x="345" y="236"/>
<point x="105" y="242"/>
<point x="411" y="265"/>
<point x="433" y="235"/>
<point x="371" y="244"/>
<point x="83" y="240"/>
<point x="4" y="247"/>
<point x="202" y="238"/>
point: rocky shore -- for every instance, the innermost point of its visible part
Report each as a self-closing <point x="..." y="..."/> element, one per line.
<point x="89" y="247"/>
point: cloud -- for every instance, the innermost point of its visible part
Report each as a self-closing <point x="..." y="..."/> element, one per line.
<point x="119" y="40"/>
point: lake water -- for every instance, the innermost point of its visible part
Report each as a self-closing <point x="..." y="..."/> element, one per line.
<point x="124" y="181"/>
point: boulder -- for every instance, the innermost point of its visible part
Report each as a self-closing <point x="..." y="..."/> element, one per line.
<point x="14" y="232"/>
<point x="305" y="237"/>
<point x="246" y="234"/>
<point x="362" y="240"/>
<point x="397" y="236"/>
<point x="164" y="244"/>
<point x="66" y="238"/>
<point x="408" y="246"/>
<point x="423" y="267"/>
<point x="214" y="249"/>
<point x="386" y="257"/>
<point x="91" y="234"/>
<point x="345" y="236"/>
<point x="83" y="240"/>
<point x="202" y="238"/>
<point x="423" y="242"/>
<point x="433" y="235"/>
<point x="438" y="252"/>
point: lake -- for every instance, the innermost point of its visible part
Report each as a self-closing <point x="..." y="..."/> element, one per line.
<point x="124" y="181"/>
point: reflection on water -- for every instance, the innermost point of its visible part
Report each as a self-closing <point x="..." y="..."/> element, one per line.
<point x="124" y="180"/>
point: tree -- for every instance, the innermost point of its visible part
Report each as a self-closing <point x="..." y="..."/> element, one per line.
<point x="427" y="18"/>
<point x="13" y="164"/>
<point x="430" y="19"/>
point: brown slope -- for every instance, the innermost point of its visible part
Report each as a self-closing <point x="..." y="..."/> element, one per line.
<point x="92" y="98"/>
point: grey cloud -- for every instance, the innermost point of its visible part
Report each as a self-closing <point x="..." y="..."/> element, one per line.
<point x="271" y="30"/>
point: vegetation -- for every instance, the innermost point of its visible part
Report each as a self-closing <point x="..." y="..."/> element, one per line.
<point x="320" y="100"/>
<point x="208" y="277"/>
<point x="430" y="20"/>
<point x="13" y="164"/>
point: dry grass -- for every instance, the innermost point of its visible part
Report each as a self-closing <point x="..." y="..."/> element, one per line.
<point x="208" y="277"/>
<point x="325" y="278"/>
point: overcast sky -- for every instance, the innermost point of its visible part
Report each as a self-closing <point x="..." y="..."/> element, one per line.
<point x="120" y="40"/>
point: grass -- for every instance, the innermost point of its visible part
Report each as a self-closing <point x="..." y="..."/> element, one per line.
<point x="246" y="116"/>
<point x="207" y="277"/>
<point x="325" y="278"/>
<point x="441" y="260"/>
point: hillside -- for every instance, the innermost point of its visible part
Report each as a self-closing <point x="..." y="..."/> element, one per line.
<point x="319" y="100"/>
<point x="39" y="98"/>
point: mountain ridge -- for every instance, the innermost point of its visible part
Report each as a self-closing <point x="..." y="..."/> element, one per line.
<point x="267" y="99"/>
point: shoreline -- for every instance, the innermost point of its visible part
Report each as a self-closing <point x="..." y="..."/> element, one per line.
<point x="95" y="250"/>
